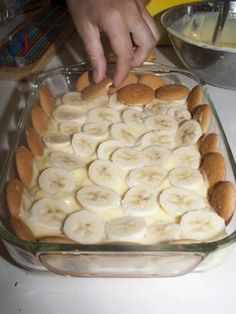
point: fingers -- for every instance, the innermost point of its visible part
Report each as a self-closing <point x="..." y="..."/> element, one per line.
<point x="144" y="36"/>
<point x="83" y="16"/>
<point x="120" y="41"/>
<point x="93" y="46"/>
<point x="149" y="20"/>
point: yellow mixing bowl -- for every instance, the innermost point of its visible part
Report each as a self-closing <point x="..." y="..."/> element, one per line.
<point x="156" y="6"/>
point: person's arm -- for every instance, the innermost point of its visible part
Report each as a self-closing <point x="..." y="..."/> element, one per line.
<point x="123" y="21"/>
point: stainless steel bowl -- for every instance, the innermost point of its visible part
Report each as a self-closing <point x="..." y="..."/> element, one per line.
<point x="212" y="64"/>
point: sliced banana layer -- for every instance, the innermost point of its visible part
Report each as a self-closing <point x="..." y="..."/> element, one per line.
<point x="103" y="115"/>
<point x="55" y="140"/>
<point x="69" y="113"/>
<point x="177" y="201"/>
<point x="201" y="225"/>
<point x="85" y="227"/>
<point x="125" y="134"/>
<point x="156" y="155"/>
<point x="97" y="130"/>
<point x="161" y="137"/>
<point x="128" y="158"/>
<point x="116" y="104"/>
<point x="56" y="181"/>
<point x="188" y="133"/>
<point x="50" y="213"/>
<point x="179" y="114"/>
<point x="162" y="232"/>
<point x="83" y="144"/>
<point x="187" y="156"/>
<point x="184" y="177"/>
<point x="70" y="127"/>
<point x="161" y="122"/>
<point x="106" y="148"/>
<point x="147" y="176"/>
<point x="125" y="229"/>
<point x="104" y="173"/>
<point x="133" y="117"/>
<point x="140" y="201"/>
<point x="98" y="197"/>
<point x="72" y="98"/>
<point x="66" y="161"/>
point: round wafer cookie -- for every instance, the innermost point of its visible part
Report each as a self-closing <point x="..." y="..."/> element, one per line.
<point x="56" y="239"/>
<point x="214" y="168"/>
<point x="84" y="81"/>
<point x="15" y="190"/>
<point x="95" y="90"/>
<point x="24" y="165"/>
<point x="21" y="230"/>
<point x="47" y="100"/>
<point x="131" y="78"/>
<point x="172" y="92"/>
<point x="34" y="142"/>
<point x="152" y="80"/>
<point x="39" y="119"/>
<point x="135" y="94"/>
<point x="202" y="115"/>
<point x="209" y="144"/>
<point x="195" y="98"/>
<point x="223" y="200"/>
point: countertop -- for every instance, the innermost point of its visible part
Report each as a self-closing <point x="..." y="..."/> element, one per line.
<point x="43" y="293"/>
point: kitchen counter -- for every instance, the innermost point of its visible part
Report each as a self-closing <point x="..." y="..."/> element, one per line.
<point x="44" y="293"/>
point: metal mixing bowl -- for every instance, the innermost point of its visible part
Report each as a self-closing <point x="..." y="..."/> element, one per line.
<point x="214" y="65"/>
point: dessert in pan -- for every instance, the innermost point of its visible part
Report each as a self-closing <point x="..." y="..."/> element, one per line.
<point x="130" y="164"/>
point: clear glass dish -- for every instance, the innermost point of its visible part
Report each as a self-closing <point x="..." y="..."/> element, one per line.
<point x="119" y="259"/>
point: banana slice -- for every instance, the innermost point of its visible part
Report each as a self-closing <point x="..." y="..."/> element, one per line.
<point x="161" y="137"/>
<point x="133" y="117"/>
<point x="66" y="161"/>
<point x="128" y="158"/>
<point x="184" y="177"/>
<point x="98" y="198"/>
<point x="161" y="122"/>
<point x="156" y="108"/>
<point x="106" y="148"/>
<point x="72" y="98"/>
<point x="161" y="107"/>
<point x="188" y="133"/>
<point x="162" y="232"/>
<point x="140" y="201"/>
<point x="50" y="213"/>
<point x="97" y="130"/>
<point x="147" y="176"/>
<point x="156" y="155"/>
<point x="55" y="181"/>
<point x="125" y="134"/>
<point x="187" y="156"/>
<point x="85" y="227"/>
<point x="104" y="173"/>
<point x="70" y="127"/>
<point x="103" y="115"/>
<point x="69" y="113"/>
<point x="55" y="140"/>
<point x="201" y="225"/>
<point x="83" y="144"/>
<point x="180" y="114"/>
<point x="125" y="229"/>
<point x="177" y="201"/>
<point x="115" y="103"/>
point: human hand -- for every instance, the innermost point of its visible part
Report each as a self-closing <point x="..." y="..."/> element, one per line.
<point x="123" y="22"/>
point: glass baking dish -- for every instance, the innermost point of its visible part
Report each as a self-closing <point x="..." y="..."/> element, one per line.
<point x="114" y="259"/>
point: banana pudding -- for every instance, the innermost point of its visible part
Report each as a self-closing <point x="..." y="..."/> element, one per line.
<point x="132" y="164"/>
